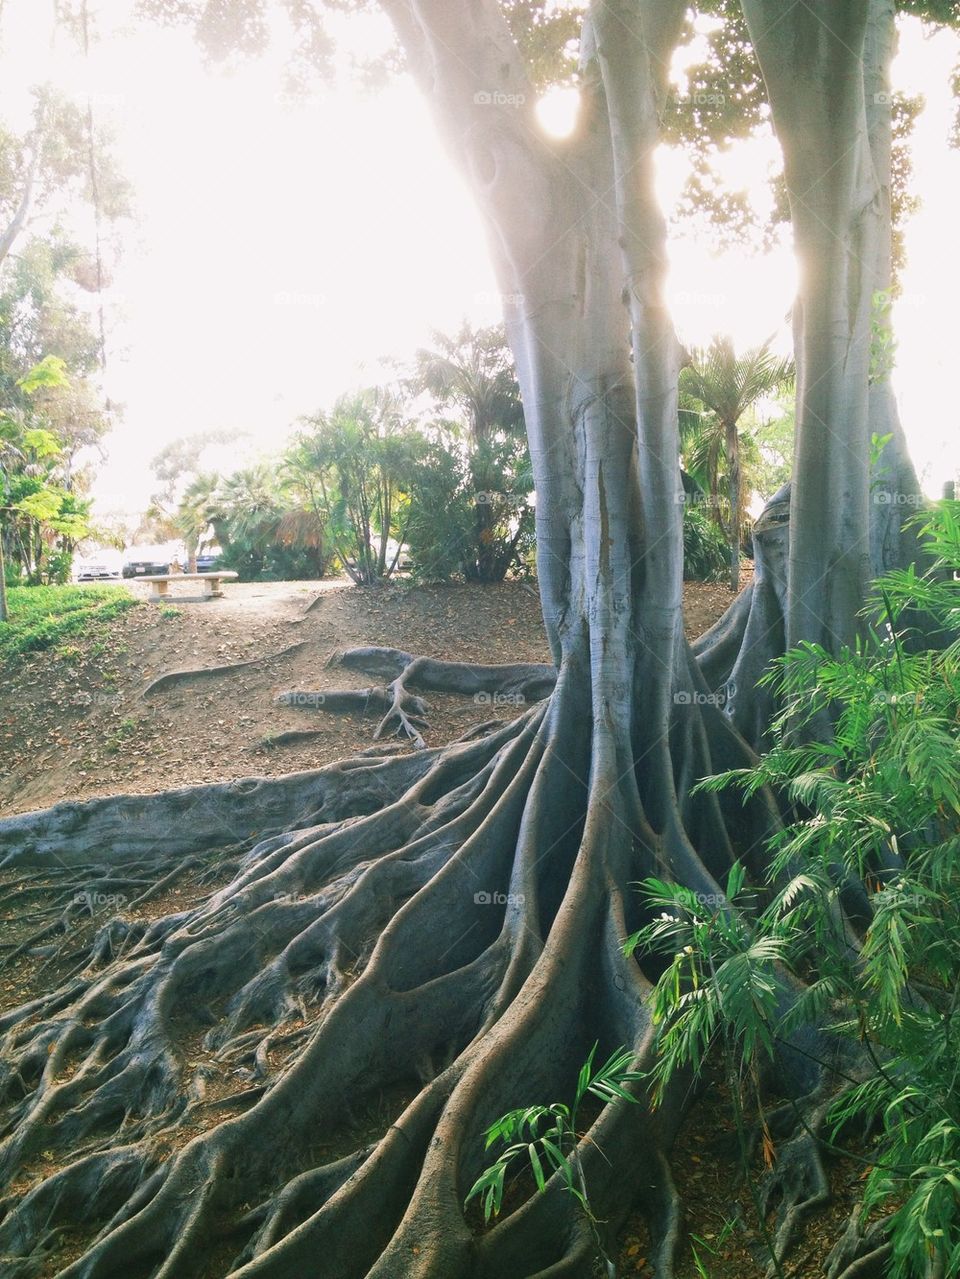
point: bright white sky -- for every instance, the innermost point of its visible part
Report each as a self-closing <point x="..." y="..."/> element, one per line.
<point x="282" y="248"/>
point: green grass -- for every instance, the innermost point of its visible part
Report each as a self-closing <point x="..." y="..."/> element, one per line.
<point x="42" y="616"/>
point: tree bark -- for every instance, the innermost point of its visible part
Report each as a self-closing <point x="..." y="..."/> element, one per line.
<point x="827" y="72"/>
<point x="811" y="57"/>
<point x="736" y="532"/>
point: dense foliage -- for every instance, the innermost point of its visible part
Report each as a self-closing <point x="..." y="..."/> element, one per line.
<point x="878" y="804"/>
<point x="430" y="473"/>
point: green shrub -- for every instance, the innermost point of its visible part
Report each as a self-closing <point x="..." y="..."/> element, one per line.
<point x="876" y="805"/>
<point x="439" y="527"/>
<point x="706" y="555"/>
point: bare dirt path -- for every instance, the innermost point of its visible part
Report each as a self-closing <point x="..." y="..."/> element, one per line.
<point x="75" y="723"/>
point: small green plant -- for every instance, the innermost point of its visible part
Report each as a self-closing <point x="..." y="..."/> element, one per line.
<point x="546" y="1137"/>
<point x="711" y="1246"/>
<point x="123" y="730"/>
<point x="168" y="612"/>
<point x="877" y="803"/>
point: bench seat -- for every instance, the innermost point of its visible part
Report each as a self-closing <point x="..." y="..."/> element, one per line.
<point x="160" y="583"/>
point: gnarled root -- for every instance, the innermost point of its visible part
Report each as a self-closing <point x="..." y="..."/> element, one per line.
<point x="439" y="957"/>
<point x="403" y="713"/>
<point x="863" y="1250"/>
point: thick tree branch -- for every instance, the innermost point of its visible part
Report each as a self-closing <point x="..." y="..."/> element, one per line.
<point x="18" y="221"/>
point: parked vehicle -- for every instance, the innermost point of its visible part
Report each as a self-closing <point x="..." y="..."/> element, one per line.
<point x="95" y="571"/>
<point x="143" y="561"/>
<point x="208" y="561"/>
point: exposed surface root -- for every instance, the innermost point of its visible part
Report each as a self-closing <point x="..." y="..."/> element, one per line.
<point x="403" y="713"/>
<point x="863" y="1251"/>
<point x="181" y="822"/>
<point x="293" y="1077"/>
<point x="191" y="676"/>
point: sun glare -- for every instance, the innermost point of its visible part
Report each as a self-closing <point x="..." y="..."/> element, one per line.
<point x="557" y="112"/>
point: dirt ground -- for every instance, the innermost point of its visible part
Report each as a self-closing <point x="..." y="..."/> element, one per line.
<point x="76" y="722"/>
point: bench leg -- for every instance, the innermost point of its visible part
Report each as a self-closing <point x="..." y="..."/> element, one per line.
<point x="211" y="588"/>
<point x="158" y="591"/>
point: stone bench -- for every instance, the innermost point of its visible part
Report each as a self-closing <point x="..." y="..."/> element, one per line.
<point x="160" y="584"/>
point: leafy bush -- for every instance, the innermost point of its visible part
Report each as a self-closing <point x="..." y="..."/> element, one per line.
<point x="489" y="519"/>
<point x="548" y="1138"/>
<point x="875" y="804"/>
<point x="440" y="525"/>
<point x="706" y="555"/>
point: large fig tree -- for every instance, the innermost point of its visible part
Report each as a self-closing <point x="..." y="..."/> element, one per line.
<point x="443" y="930"/>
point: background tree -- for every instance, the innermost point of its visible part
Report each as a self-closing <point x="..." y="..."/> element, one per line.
<point x="473" y="375"/>
<point x="57" y="162"/>
<point x="355" y="462"/>
<point x="195" y="513"/>
<point x="726" y="386"/>
<point x="53" y="412"/>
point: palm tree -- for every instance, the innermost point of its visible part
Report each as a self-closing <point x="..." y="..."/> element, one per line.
<point x="726" y="385"/>
<point x="351" y="465"/>
<point x="473" y="371"/>
<point x="193" y="515"/>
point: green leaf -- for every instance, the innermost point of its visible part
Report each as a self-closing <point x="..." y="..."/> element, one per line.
<point x="50" y="372"/>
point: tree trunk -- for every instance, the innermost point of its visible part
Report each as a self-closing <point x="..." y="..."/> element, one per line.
<point x="3" y="581"/>
<point x="812" y="62"/>
<point x="826" y="69"/>
<point x="733" y="464"/>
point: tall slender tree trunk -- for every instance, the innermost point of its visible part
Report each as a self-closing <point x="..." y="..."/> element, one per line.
<point x="811" y="56"/>
<point x="824" y="536"/>
<point x="736" y="532"/>
<point x="3" y="581"/>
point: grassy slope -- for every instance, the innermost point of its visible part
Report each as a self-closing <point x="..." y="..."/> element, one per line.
<point x="41" y="616"/>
